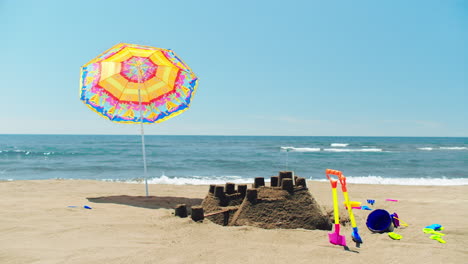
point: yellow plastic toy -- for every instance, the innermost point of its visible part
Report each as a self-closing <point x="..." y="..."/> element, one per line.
<point x="395" y="236"/>
<point x="431" y="231"/>
<point x="353" y="204"/>
<point x="342" y="179"/>
<point x="438" y="238"/>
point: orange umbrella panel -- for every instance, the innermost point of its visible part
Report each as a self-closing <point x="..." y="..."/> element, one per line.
<point x="131" y="81"/>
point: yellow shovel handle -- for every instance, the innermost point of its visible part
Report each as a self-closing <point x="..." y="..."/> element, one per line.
<point x="335" y="206"/>
<point x="350" y="210"/>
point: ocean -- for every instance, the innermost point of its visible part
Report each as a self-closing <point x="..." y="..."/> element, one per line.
<point x="220" y="159"/>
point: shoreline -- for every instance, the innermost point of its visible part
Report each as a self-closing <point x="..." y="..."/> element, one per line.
<point x="186" y="181"/>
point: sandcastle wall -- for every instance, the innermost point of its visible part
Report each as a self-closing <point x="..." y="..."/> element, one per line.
<point x="286" y="203"/>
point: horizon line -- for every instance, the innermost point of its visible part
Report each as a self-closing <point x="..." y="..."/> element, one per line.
<point x="215" y="135"/>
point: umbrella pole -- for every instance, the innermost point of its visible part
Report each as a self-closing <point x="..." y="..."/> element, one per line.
<point x="145" y="170"/>
<point x="144" y="155"/>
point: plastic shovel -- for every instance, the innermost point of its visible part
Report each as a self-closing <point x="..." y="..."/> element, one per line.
<point x="355" y="235"/>
<point x="438" y="238"/>
<point x="335" y="237"/>
<point x="431" y="231"/>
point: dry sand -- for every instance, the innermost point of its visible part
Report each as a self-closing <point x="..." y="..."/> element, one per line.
<point x="37" y="226"/>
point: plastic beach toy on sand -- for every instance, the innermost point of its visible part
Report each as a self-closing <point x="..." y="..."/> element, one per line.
<point x="395" y="236"/>
<point x="438" y="238"/>
<point x="355" y="235"/>
<point x="371" y="202"/>
<point x="435" y="227"/>
<point x="354" y="204"/>
<point x="379" y="221"/>
<point x="391" y="200"/>
<point x="335" y="238"/>
<point x="431" y="231"/>
<point x="74" y="206"/>
<point x="397" y="221"/>
<point x="365" y="207"/>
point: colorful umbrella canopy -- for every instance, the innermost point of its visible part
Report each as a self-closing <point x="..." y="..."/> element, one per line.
<point x="131" y="83"/>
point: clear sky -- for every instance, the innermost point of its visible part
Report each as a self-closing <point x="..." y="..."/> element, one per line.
<point x="312" y="68"/>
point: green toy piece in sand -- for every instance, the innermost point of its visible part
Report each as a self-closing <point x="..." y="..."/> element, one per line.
<point x="431" y="231"/>
<point x="438" y="238"/>
<point x="395" y="236"/>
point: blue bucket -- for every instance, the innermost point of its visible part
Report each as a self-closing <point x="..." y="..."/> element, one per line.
<point x="379" y="221"/>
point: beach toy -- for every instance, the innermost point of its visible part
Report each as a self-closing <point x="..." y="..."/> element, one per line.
<point x="395" y="236"/>
<point x="401" y="222"/>
<point x="395" y="220"/>
<point x="431" y="231"/>
<point x="335" y="238"/>
<point x="74" y="206"/>
<point x="365" y="207"/>
<point x="371" y="202"/>
<point x="379" y="221"/>
<point x="391" y="200"/>
<point x="435" y="227"/>
<point x="438" y="238"/>
<point x="354" y="204"/>
<point x="355" y="234"/>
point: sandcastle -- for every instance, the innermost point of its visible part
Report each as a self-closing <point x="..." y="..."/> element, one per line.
<point x="286" y="203"/>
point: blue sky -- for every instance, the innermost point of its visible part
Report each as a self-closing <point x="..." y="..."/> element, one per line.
<point x="306" y="68"/>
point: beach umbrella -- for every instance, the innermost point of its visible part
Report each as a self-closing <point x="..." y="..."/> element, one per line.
<point x="131" y="83"/>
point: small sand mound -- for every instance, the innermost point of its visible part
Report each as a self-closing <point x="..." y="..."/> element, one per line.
<point x="281" y="205"/>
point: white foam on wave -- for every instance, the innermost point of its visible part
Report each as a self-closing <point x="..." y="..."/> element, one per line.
<point x="444" y="148"/>
<point x="339" y="145"/>
<point x="206" y="180"/>
<point x="293" y="149"/>
<point x="405" y="181"/>
<point x="425" y="148"/>
<point x="454" y="148"/>
<point x="195" y="180"/>
<point x="353" y="150"/>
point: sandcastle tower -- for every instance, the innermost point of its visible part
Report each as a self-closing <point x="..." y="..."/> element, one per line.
<point x="286" y="203"/>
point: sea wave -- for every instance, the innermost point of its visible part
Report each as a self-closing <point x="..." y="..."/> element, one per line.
<point x="339" y="145"/>
<point x="425" y="148"/>
<point x="195" y="180"/>
<point x="405" y="181"/>
<point x="221" y="180"/>
<point x="444" y="148"/>
<point x="353" y="150"/>
<point x="19" y="152"/>
<point x="293" y="149"/>
<point x="453" y="148"/>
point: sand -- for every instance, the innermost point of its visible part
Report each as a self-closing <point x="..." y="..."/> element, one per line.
<point x="38" y="226"/>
